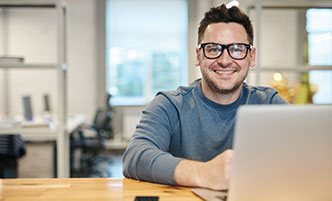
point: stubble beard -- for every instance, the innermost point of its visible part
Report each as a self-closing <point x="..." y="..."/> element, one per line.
<point x="223" y="91"/>
<point x="218" y="90"/>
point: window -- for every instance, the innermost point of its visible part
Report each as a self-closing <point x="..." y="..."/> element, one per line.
<point x="319" y="28"/>
<point x="146" y="48"/>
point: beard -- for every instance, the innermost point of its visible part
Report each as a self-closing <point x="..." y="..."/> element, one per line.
<point x="215" y="88"/>
<point x="212" y="85"/>
<point x="219" y="88"/>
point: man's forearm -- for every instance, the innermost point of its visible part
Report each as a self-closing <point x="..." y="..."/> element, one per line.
<point x="214" y="174"/>
<point x="188" y="173"/>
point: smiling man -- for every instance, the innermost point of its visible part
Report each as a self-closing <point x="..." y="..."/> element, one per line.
<point x="185" y="136"/>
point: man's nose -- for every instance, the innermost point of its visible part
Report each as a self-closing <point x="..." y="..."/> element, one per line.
<point x="224" y="58"/>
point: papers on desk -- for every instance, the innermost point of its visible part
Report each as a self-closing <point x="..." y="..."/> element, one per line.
<point x="12" y="123"/>
<point x="210" y="195"/>
<point x="9" y="124"/>
<point x="40" y="123"/>
<point x="30" y="124"/>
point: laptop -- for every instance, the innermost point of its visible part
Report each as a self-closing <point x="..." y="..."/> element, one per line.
<point x="281" y="153"/>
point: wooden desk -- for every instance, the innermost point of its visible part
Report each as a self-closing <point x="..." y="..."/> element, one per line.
<point x="99" y="189"/>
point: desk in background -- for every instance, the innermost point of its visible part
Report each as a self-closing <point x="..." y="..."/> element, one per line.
<point x="43" y="132"/>
<point x="101" y="189"/>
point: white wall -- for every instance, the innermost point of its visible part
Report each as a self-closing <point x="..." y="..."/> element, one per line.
<point x="82" y="57"/>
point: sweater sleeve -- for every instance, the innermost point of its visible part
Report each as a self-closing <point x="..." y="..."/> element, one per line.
<point x="147" y="157"/>
<point x="277" y="99"/>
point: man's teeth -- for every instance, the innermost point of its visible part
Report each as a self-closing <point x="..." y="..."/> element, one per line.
<point x="224" y="72"/>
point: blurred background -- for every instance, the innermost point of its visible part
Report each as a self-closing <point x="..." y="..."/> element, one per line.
<point x="78" y="74"/>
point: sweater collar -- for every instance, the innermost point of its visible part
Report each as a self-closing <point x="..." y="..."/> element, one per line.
<point x="211" y="103"/>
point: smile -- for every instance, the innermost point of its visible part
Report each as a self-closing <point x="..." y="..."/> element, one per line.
<point x="224" y="72"/>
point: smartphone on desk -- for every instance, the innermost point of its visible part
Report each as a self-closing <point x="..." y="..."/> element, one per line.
<point x="146" y="198"/>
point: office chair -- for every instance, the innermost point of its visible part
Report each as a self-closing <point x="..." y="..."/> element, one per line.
<point x="86" y="151"/>
<point x="11" y="148"/>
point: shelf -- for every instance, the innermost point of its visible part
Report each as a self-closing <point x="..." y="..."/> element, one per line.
<point x="27" y="4"/>
<point x="293" y="5"/>
<point x="60" y="134"/>
<point x="258" y="6"/>
<point x="304" y="68"/>
<point x="28" y="66"/>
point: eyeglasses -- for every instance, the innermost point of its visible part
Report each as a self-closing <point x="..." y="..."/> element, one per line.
<point x="236" y="51"/>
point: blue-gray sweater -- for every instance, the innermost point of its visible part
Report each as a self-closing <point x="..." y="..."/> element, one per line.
<point x="185" y="124"/>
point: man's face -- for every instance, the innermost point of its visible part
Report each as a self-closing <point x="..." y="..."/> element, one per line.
<point x="224" y="75"/>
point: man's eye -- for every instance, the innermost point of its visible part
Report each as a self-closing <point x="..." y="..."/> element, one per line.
<point x="212" y="49"/>
<point x="238" y="49"/>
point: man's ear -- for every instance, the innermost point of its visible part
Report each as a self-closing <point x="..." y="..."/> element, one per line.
<point x="198" y="61"/>
<point x="252" y="57"/>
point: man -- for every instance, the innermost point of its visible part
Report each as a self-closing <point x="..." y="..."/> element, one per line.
<point x="185" y="136"/>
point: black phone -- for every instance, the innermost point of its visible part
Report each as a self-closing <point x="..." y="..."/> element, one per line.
<point x="146" y="198"/>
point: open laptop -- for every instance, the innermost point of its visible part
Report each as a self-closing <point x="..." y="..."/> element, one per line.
<point x="282" y="153"/>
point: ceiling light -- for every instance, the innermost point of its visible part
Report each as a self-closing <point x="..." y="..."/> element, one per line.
<point x="232" y="3"/>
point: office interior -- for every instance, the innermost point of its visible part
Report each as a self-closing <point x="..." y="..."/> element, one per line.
<point x="283" y="62"/>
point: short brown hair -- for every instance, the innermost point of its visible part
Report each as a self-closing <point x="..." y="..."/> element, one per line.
<point x="224" y="14"/>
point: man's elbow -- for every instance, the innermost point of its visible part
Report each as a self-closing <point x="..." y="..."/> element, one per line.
<point x="126" y="166"/>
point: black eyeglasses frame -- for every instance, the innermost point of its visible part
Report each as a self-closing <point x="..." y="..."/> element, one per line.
<point x="223" y="47"/>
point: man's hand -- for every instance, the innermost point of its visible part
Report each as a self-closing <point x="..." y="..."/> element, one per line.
<point x="214" y="174"/>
